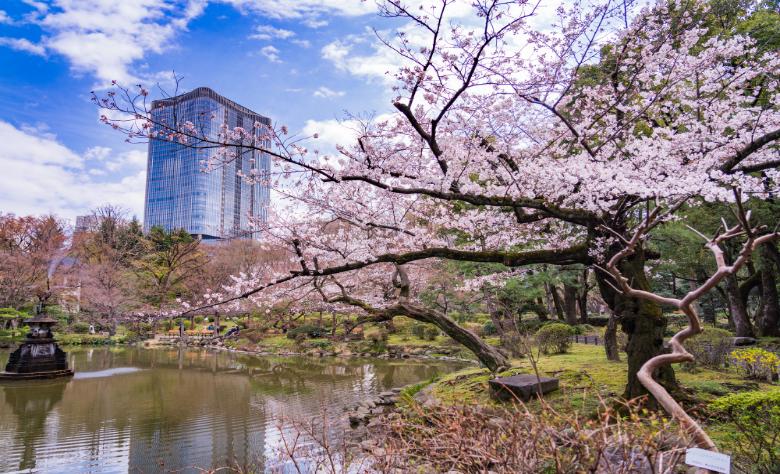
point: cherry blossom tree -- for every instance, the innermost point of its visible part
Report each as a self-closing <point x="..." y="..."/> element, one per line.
<point x="559" y="140"/>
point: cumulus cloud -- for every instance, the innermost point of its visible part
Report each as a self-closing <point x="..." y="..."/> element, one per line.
<point x="41" y="175"/>
<point x="266" y="32"/>
<point x="302" y="43"/>
<point x="22" y="44"/>
<point x="271" y="53"/>
<point x="308" y="10"/>
<point x="314" y="23"/>
<point x="327" y="93"/>
<point x="105" y="37"/>
<point x="381" y="64"/>
<point x="4" y="18"/>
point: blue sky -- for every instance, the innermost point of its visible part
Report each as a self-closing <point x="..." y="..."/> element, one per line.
<point x="301" y="63"/>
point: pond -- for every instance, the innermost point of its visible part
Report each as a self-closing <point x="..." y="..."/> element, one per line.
<point x="129" y="408"/>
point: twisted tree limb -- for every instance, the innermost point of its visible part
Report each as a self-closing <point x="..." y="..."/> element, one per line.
<point x="679" y="354"/>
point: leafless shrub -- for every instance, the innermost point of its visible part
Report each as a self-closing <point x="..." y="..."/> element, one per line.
<point x="444" y="438"/>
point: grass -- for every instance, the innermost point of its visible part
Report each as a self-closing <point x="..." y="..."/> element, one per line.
<point x="586" y="378"/>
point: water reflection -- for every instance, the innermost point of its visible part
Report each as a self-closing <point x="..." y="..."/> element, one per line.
<point x="131" y="408"/>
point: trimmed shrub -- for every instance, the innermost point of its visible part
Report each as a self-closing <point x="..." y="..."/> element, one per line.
<point x="489" y="328"/>
<point x="555" y="338"/>
<point x="419" y="330"/>
<point x="710" y="348"/>
<point x="578" y="330"/>
<point x="532" y="326"/>
<point x="752" y="428"/>
<point x="80" y="328"/>
<point x="198" y="319"/>
<point x="598" y="321"/>
<point x="307" y="330"/>
<point x="431" y="333"/>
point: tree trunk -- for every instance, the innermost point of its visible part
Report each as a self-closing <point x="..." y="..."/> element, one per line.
<point x="610" y="338"/>
<point x="540" y="312"/>
<point x="216" y="324"/>
<point x="557" y="301"/>
<point x="492" y="311"/>
<point x="643" y="322"/>
<point x="570" y="304"/>
<point x="154" y="328"/>
<point x="738" y="312"/>
<point x="767" y="325"/>
<point x="582" y="296"/>
<point x="192" y="323"/>
<point x="549" y="298"/>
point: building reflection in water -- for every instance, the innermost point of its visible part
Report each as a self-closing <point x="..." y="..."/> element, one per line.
<point x="131" y="408"/>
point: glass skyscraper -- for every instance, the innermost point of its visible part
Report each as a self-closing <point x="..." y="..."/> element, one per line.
<point x="209" y="205"/>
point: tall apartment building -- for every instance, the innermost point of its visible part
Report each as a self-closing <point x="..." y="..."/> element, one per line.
<point x="208" y="205"/>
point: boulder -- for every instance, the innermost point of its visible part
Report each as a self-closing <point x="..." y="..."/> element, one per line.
<point x="522" y="386"/>
<point x="743" y="341"/>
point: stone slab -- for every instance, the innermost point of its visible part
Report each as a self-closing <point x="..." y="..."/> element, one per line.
<point x="522" y="386"/>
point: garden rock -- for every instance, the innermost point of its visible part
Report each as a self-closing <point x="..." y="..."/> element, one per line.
<point x="743" y="341"/>
<point x="522" y="386"/>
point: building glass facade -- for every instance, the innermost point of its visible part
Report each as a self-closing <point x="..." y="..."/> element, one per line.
<point x="210" y="205"/>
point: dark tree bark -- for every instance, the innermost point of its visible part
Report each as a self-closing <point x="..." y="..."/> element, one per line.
<point x="610" y="338"/>
<point x="767" y="325"/>
<point x="570" y="304"/>
<point x="582" y="296"/>
<point x="557" y="301"/>
<point x="549" y="298"/>
<point x="643" y="322"/>
<point x="540" y="310"/>
<point x="742" y="325"/>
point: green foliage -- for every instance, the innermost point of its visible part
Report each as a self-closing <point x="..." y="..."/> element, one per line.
<point x="753" y="429"/>
<point x="598" y="321"/>
<point x="489" y="328"/>
<point x="578" y="330"/>
<point x="12" y="313"/>
<point x="409" y="392"/>
<point x="80" y="328"/>
<point x="555" y="338"/>
<point x="307" y="330"/>
<point x="532" y="326"/>
<point x="198" y="319"/>
<point x="320" y="344"/>
<point x="419" y="330"/>
<point x="431" y="333"/>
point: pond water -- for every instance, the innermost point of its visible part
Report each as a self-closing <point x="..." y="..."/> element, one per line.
<point x="129" y="408"/>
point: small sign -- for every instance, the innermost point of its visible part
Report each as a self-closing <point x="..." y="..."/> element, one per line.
<point x="707" y="459"/>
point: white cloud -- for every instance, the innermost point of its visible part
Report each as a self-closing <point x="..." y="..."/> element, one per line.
<point x="303" y="9"/>
<point x="302" y="43"/>
<point x="313" y="23"/>
<point x="266" y="32"/>
<point x="38" y="5"/>
<point x="327" y="93"/>
<point x="105" y="37"/>
<point x="42" y="175"/>
<point x="4" y="18"/>
<point x="293" y="90"/>
<point x="22" y="44"/>
<point x="271" y="53"/>
<point x="382" y="64"/>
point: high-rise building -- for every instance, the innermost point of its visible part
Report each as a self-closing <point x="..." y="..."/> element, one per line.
<point x="209" y="205"/>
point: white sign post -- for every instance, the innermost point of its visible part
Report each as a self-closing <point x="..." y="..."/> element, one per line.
<point x="707" y="459"/>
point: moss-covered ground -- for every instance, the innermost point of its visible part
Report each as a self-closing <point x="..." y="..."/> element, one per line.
<point x="588" y="381"/>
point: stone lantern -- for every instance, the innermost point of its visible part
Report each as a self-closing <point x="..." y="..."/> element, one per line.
<point x="38" y="356"/>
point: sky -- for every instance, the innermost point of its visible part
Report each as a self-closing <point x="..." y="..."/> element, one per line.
<point x="302" y="63"/>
